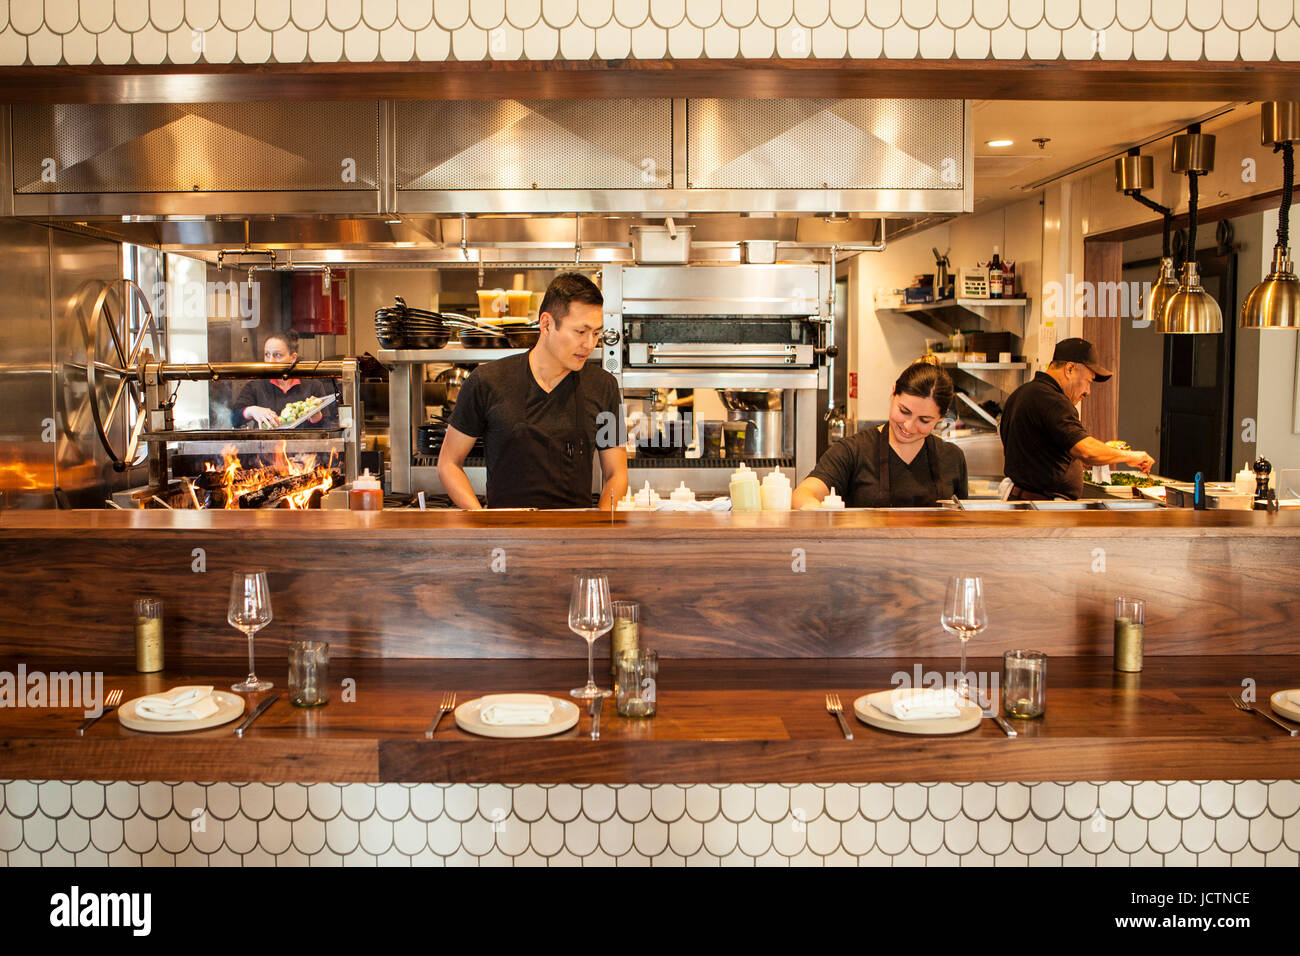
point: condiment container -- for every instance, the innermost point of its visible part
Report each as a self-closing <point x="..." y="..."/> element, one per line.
<point x="744" y="490"/>
<point x="775" y="492"/>
<point x="647" y="499"/>
<point x="626" y="634"/>
<point x="626" y="503"/>
<point x="148" y="635"/>
<point x="682" y="494"/>
<point x="366" y="493"/>
<point x="1245" y="480"/>
<point x="832" y="502"/>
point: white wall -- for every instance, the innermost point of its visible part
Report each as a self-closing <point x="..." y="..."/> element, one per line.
<point x="883" y="343"/>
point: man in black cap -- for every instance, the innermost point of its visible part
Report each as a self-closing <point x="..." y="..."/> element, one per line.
<point x="1044" y="443"/>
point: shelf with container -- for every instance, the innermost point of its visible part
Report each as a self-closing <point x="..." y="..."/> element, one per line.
<point x="950" y="316"/>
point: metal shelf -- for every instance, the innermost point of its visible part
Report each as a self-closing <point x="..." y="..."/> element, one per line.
<point x="937" y="315"/>
<point x="449" y="356"/>
<point x="982" y="366"/>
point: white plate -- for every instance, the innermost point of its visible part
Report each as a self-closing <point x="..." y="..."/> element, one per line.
<point x="229" y="706"/>
<point x="1283" y="707"/>
<point x="563" y="717"/>
<point x="870" y="714"/>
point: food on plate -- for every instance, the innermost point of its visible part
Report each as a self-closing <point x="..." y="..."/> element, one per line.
<point x="1135" y="479"/>
<point x="296" y="410"/>
<point x="1119" y="445"/>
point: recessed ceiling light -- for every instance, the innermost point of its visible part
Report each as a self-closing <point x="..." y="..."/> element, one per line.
<point x="999" y="143"/>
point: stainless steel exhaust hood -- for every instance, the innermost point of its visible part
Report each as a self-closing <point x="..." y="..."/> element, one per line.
<point x="420" y="162"/>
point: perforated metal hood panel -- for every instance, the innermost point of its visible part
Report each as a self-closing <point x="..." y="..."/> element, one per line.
<point x="197" y="147"/>
<point x="818" y="144"/>
<point x="535" y="144"/>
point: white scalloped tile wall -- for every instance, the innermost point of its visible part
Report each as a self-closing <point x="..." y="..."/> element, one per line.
<point x="289" y="31"/>
<point x="1118" y="823"/>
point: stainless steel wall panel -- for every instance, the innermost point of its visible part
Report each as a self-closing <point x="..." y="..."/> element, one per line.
<point x="720" y="290"/>
<point x="196" y="147"/>
<point x="826" y="144"/>
<point x="534" y="144"/>
<point x="26" y="374"/>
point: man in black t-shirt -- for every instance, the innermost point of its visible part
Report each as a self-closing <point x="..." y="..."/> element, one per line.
<point x="542" y="415"/>
<point x="1044" y="442"/>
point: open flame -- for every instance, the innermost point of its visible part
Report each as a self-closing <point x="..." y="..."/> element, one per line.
<point x="306" y="475"/>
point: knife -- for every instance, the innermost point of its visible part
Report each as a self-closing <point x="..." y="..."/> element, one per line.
<point x="1006" y="727"/>
<point x="257" y="712"/>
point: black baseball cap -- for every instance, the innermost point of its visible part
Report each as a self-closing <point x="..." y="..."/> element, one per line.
<point x="1082" y="352"/>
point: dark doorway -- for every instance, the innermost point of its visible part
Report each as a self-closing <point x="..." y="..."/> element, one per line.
<point x="1196" y="401"/>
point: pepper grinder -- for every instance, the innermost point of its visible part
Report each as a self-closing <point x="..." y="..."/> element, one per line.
<point x="1265" y="497"/>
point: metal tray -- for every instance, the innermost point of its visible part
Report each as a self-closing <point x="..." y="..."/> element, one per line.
<point x="1082" y="505"/>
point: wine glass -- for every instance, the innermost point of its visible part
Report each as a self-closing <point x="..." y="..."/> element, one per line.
<point x="590" y="615"/>
<point x="964" y="615"/>
<point x="250" y="611"/>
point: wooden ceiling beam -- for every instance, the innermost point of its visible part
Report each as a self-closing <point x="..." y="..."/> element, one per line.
<point x="761" y="79"/>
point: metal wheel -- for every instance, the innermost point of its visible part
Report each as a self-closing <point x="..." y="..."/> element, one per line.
<point x="113" y="359"/>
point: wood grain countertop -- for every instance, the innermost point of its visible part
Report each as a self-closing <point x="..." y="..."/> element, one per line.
<point x="855" y="523"/>
<point x="719" y="721"/>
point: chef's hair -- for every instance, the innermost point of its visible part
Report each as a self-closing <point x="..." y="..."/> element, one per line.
<point x="925" y="379"/>
<point x="289" y="337"/>
<point x="565" y="289"/>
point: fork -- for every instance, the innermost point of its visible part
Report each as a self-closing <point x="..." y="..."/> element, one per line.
<point x="113" y="698"/>
<point x="448" y="704"/>
<point x="833" y="706"/>
<point x="1242" y="705"/>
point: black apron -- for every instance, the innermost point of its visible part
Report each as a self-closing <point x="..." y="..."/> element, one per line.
<point x="882" y="498"/>
<point x="544" y="465"/>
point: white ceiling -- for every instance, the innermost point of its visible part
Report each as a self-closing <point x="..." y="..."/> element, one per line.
<point x="1079" y="133"/>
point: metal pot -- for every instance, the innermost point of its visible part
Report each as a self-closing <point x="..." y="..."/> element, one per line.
<point x="764" y="433"/>
<point x="760" y="400"/>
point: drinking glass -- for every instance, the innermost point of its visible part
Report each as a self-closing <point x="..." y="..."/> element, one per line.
<point x="250" y="611"/>
<point x="964" y="615"/>
<point x="590" y="615"/>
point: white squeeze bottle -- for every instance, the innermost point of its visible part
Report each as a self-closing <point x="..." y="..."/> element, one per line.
<point x="744" y="490"/>
<point x="832" y="502"/>
<point x="775" y="491"/>
<point x="682" y="494"/>
<point x="1245" y="481"/>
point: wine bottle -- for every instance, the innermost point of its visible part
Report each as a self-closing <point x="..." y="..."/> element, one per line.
<point x="995" y="276"/>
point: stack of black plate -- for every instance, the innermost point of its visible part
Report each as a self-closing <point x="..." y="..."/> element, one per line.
<point x="401" y="327"/>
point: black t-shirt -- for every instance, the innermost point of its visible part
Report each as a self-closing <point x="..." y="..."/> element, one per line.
<point x="539" y="446"/>
<point x="264" y="392"/>
<point x="1039" y="427"/>
<point x="852" y="467"/>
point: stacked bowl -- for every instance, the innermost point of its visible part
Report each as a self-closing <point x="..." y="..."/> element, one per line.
<point x="401" y="327"/>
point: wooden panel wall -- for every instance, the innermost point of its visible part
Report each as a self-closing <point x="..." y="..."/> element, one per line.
<point x="792" y="593"/>
<point x="1102" y="263"/>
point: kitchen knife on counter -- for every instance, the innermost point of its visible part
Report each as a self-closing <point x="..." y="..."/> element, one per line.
<point x="257" y="712"/>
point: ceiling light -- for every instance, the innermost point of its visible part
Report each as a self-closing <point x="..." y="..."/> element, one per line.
<point x="999" y="143"/>
<point x="1191" y="309"/>
<point x="1134" y="173"/>
<point x="1275" y="302"/>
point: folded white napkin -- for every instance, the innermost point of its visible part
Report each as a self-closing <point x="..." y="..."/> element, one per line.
<point x="505" y="710"/>
<point x="921" y="703"/>
<point x="180" y="703"/>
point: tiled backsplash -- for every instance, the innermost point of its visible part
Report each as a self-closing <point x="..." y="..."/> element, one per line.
<point x="1149" y="823"/>
<point x="329" y="31"/>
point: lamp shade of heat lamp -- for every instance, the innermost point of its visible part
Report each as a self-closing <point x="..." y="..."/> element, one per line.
<point x="1192" y="310"/>
<point x="1134" y="173"/>
<point x="1275" y="302"/>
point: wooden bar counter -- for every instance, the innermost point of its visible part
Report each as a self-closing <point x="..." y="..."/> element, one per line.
<point x="742" y="721"/>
